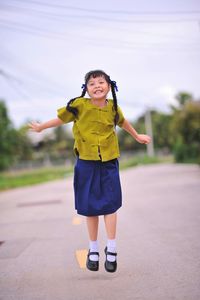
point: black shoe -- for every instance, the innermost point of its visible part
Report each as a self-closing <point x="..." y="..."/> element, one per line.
<point x="90" y="264"/>
<point x="109" y="265"/>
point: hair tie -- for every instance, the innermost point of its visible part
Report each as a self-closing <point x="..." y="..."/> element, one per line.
<point x="114" y="83"/>
<point x="83" y="86"/>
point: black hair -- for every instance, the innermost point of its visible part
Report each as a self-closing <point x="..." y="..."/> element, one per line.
<point x="94" y="74"/>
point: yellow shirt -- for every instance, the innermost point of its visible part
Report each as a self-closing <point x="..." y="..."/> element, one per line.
<point x="93" y="129"/>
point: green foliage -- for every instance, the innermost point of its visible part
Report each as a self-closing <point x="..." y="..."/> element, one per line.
<point x="183" y="97"/>
<point x="126" y="141"/>
<point x="186" y="153"/>
<point x="185" y="129"/>
<point x="161" y="124"/>
<point x="7" y="137"/>
<point x="178" y="132"/>
<point x="139" y="160"/>
<point x="23" y="146"/>
<point x="57" y="146"/>
<point x="19" y="179"/>
<point x="15" y="144"/>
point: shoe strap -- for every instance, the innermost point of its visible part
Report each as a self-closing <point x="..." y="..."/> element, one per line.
<point x="111" y="253"/>
<point x="93" y="253"/>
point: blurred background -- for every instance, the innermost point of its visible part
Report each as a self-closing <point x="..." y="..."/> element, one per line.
<point x="152" y="50"/>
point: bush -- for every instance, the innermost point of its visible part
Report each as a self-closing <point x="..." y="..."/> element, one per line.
<point x="185" y="153"/>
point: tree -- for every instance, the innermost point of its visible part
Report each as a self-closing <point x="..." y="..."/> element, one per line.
<point x="185" y="131"/>
<point x="183" y="97"/>
<point x="63" y="143"/>
<point x="126" y="142"/>
<point x="8" y="136"/>
<point x="161" y="124"/>
<point x="15" y="145"/>
<point x="24" y="151"/>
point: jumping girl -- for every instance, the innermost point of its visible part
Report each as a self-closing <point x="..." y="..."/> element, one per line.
<point x="97" y="186"/>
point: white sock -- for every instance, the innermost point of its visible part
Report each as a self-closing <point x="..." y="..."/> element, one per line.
<point x="93" y="246"/>
<point x="111" y="247"/>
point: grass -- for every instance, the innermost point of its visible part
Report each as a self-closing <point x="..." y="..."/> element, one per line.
<point x="16" y="179"/>
<point x="143" y="160"/>
<point x="25" y="178"/>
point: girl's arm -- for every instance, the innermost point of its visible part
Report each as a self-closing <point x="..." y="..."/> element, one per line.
<point x="141" y="138"/>
<point x="35" y="126"/>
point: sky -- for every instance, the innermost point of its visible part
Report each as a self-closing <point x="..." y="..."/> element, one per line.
<point x="151" y="48"/>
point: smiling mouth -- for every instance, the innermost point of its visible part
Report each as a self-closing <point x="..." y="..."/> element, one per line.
<point x="97" y="92"/>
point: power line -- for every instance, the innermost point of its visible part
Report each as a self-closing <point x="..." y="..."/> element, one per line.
<point x="29" y="29"/>
<point x="22" y="86"/>
<point x="107" y="11"/>
<point x="51" y="33"/>
<point x="51" y="15"/>
<point x="12" y="80"/>
<point x="108" y="43"/>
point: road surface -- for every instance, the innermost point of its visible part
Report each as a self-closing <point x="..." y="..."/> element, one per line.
<point x="44" y="242"/>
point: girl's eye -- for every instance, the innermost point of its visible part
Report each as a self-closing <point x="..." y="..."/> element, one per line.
<point x="92" y="83"/>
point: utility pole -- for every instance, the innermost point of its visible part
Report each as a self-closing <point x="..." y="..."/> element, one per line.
<point x="149" y="131"/>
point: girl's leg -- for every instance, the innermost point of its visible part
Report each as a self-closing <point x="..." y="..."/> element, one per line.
<point x="92" y="225"/>
<point x="111" y="224"/>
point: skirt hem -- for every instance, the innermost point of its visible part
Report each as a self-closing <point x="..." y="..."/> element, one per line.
<point x="97" y="214"/>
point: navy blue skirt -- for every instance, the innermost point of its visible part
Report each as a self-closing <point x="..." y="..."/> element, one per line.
<point x="97" y="187"/>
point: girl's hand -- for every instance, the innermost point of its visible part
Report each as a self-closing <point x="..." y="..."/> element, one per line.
<point x="35" y="126"/>
<point x="143" y="139"/>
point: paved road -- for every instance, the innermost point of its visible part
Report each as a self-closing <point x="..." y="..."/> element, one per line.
<point x="158" y="240"/>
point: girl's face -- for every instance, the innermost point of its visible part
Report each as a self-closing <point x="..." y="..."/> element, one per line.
<point x="98" y="88"/>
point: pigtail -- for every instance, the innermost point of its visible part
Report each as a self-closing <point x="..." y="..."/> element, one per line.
<point x="113" y="87"/>
<point x="74" y="110"/>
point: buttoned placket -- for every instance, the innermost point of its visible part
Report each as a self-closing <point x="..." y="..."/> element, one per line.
<point x="99" y="150"/>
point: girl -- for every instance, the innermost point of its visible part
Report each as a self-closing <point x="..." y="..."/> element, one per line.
<point x="96" y="174"/>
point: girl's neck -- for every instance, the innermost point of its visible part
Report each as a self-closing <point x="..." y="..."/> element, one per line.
<point x="99" y="102"/>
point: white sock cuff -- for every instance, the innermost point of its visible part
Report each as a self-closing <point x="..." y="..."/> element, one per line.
<point x="93" y="245"/>
<point x="111" y="245"/>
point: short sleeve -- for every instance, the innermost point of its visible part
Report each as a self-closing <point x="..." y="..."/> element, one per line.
<point x="121" y="117"/>
<point x="66" y="116"/>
